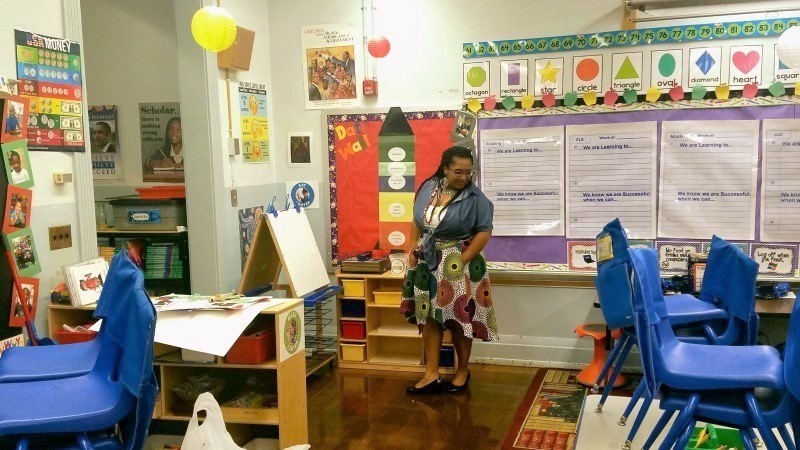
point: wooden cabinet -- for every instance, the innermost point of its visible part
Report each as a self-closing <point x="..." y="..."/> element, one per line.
<point x="390" y="342"/>
<point x="285" y="379"/>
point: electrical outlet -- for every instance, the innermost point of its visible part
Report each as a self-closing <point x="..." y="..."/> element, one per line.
<point x="60" y="237"/>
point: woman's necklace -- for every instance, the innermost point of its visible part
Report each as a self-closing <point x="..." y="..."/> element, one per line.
<point x="447" y="190"/>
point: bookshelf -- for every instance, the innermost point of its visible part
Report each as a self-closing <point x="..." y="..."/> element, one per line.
<point x="281" y="378"/>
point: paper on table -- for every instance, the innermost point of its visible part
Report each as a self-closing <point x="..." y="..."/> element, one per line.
<point x="522" y="174"/>
<point x="780" y="186"/>
<point x="178" y="302"/>
<point x="708" y="179"/>
<point x="611" y="172"/>
<point x="207" y="331"/>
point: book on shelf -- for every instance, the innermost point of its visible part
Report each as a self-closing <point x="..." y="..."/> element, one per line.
<point x="85" y="281"/>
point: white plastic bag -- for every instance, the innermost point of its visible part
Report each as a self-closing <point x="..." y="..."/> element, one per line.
<point x="212" y="433"/>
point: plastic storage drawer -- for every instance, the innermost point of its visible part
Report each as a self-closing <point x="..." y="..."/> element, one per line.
<point x="253" y="349"/>
<point x="353" y="330"/>
<point x="353" y="308"/>
<point x="354" y="352"/>
<point x="354" y="288"/>
<point x="387" y="297"/>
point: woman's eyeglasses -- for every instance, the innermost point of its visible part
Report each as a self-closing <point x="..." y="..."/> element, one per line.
<point x="464" y="173"/>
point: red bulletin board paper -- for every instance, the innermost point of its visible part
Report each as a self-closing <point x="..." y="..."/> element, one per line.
<point x="353" y="161"/>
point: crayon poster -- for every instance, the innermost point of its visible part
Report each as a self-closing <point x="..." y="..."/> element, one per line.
<point x="162" y="142"/>
<point x="374" y="174"/>
<point x="49" y="72"/>
<point x="106" y="153"/>
<point x="254" y="122"/>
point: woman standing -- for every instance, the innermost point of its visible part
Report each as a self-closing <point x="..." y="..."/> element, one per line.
<point x="447" y="286"/>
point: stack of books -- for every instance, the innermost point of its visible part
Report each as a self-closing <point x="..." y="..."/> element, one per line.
<point x="85" y="281"/>
<point x="163" y="261"/>
<point x="107" y="253"/>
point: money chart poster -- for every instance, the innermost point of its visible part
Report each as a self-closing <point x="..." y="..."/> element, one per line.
<point x="49" y="72"/>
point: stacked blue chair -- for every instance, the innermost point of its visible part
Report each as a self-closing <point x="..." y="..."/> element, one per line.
<point x="120" y="388"/>
<point x="615" y="293"/>
<point x="695" y="371"/>
<point x="64" y="361"/>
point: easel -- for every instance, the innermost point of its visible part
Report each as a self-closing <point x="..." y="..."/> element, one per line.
<point x="266" y="261"/>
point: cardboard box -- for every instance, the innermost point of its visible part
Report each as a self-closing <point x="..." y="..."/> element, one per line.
<point x="237" y="56"/>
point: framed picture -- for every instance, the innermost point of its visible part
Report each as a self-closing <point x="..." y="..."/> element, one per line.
<point x="463" y="126"/>
<point x="15" y="119"/>
<point x="24" y="251"/>
<point x="18" y="163"/>
<point x="30" y="292"/>
<point x="299" y="149"/>
<point x="19" y="204"/>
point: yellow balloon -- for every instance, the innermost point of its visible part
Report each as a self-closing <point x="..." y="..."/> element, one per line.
<point x="653" y="94"/>
<point x="527" y="101"/>
<point x="474" y="105"/>
<point x="213" y="28"/>
<point x="590" y="98"/>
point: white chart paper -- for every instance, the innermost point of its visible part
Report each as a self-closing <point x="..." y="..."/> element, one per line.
<point x="522" y="173"/>
<point x="611" y="172"/>
<point x="708" y="179"/>
<point x="780" y="186"/>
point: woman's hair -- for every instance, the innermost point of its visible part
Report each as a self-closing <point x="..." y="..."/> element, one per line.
<point x="167" y="142"/>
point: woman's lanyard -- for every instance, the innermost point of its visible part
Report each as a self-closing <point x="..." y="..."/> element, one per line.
<point x="437" y="195"/>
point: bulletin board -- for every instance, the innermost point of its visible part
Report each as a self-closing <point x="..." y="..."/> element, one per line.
<point x="355" y="175"/>
<point x="557" y="252"/>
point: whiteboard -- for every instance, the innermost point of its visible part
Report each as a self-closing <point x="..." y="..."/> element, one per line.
<point x="300" y="254"/>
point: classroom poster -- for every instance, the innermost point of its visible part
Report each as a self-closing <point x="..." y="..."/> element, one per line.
<point x="708" y="179"/>
<point x="611" y="172"/>
<point x="254" y="122"/>
<point x="705" y="66"/>
<point x="783" y="72"/>
<point x="587" y="73"/>
<point x="106" y="152"/>
<point x="626" y="71"/>
<point x="331" y="66"/>
<point x="49" y="72"/>
<point x="673" y="257"/>
<point x="304" y="194"/>
<point x="582" y="256"/>
<point x="666" y="69"/>
<point x="522" y="174"/>
<point x="775" y="260"/>
<point x="476" y="80"/>
<point x="162" y="142"/>
<point x="745" y="65"/>
<point x="513" y="78"/>
<point x="780" y="188"/>
<point x="549" y="76"/>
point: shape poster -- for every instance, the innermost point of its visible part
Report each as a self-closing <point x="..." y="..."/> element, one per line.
<point x="780" y="189"/>
<point x="254" y="122"/>
<point x="513" y="78"/>
<point x="708" y="179"/>
<point x="332" y="71"/>
<point x="49" y="71"/>
<point x="522" y="174"/>
<point x="106" y="153"/>
<point x="611" y="172"/>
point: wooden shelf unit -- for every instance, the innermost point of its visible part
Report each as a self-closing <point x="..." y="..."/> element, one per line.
<point x="392" y="343"/>
<point x="286" y="379"/>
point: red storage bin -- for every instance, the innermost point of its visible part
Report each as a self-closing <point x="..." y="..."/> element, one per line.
<point x="74" y="337"/>
<point x="253" y="348"/>
<point x="353" y="330"/>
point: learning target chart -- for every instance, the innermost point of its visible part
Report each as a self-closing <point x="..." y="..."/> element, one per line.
<point x="611" y="173"/>
<point x="780" y="193"/>
<point x="522" y="173"/>
<point x="49" y="71"/>
<point x="708" y="179"/>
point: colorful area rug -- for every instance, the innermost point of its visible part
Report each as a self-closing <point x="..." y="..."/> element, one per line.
<point x="549" y="415"/>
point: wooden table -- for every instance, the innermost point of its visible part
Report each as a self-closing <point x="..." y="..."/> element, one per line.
<point x="776" y="307"/>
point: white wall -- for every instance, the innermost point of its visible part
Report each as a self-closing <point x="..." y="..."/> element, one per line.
<point x="53" y="205"/>
<point x="423" y="69"/>
<point x="131" y="58"/>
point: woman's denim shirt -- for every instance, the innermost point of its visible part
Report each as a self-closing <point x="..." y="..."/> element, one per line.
<point x="470" y="213"/>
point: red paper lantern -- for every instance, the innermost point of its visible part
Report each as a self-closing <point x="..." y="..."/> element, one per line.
<point x="378" y="46"/>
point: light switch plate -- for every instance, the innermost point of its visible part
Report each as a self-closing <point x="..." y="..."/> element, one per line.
<point x="234" y="197"/>
<point x="60" y="237"/>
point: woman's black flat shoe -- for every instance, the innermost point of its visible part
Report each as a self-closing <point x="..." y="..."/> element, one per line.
<point x="433" y="388"/>
<point x="453" y="389"/>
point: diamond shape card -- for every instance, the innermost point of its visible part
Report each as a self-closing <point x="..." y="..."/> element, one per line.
<point x="666" y="69"/>
<point x="704" y="66"/>
<point x="626" y="71"/>
<point x="745" y="65"/>
<point x="513" y="78"/>
<point x="549" y="76"/>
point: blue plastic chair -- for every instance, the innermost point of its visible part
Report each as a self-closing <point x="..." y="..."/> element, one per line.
<point x="120" y="388"/>
<point x="70" y="360"/>
<point x="696" y="369"/>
